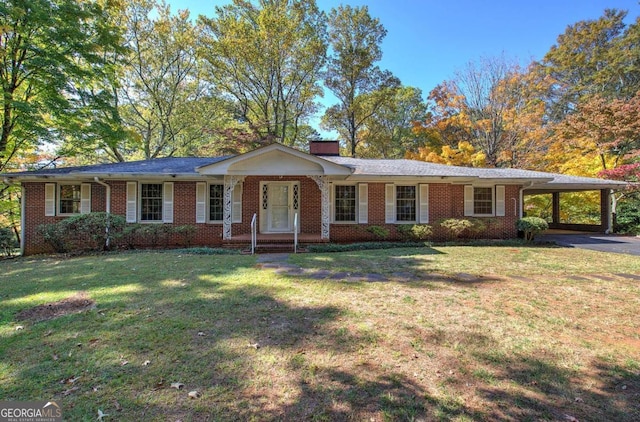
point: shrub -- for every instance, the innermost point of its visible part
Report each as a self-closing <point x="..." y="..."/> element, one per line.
<point x="412" y="232"/>
<point x="531" y="226"/>
<point x="455" y="226"/>
<point x="8" y="241"/>
<point x="85" y="232"/>
<point x="378" y="231"/>
<point x="186" y="233"/>
<point x="478" y="227"/>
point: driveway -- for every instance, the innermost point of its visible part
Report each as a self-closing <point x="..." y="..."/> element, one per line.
<point x="597" y="242"/>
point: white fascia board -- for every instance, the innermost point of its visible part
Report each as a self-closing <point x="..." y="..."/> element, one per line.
<point x="222" y="167"/>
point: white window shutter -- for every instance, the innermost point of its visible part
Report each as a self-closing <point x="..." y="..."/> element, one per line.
<point x="201" y="202"/>
<point x="132" y="197"/>
<point x="424" y="203"/>
<point x="390" y="204"/>
<point x="85" y="198"/>
<point x="167" y="202"/>
<point x="49" y="199"/>
<point x="363" y="203"/>
<point x="468" y="200"/>
<point x="236" y="207"/>
<point x="500" y="211"/>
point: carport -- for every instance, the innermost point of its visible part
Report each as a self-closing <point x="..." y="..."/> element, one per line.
<point x="562" y="183"/>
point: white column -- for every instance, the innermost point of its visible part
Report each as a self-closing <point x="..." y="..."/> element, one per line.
<point x="229" y="183"/>
<point x="323" y="184"/>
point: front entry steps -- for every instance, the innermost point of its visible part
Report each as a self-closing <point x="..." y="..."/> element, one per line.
<point x="273" y="242"/>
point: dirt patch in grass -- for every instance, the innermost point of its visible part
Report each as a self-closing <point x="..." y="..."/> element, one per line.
<point x="70" y="305"/>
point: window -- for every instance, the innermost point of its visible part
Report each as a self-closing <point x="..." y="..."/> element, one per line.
<point x="216" y="202"/>
<point x="345" y="203"/>
<point x="405" y="203"/>
<point x="151" y="202"/>
<point x="70" y="196"/>
<point x="483" y="201"/>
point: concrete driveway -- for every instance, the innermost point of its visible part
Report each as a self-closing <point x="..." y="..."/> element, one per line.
<point x="629" y="245"/>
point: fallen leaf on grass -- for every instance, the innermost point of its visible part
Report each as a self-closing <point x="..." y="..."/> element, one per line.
<point x="200" y="334"/>
<point x="70" y="390"/>
<point x="194" y="394"/>
<point x="177" y="385"/>
<point x="101" y="414"/>
<point x="570" y="418"/>
<point x="124" y="362"/>
<point x="70" y="380"/>
<point x="117" y="406"/>
<point x="146" y="363"/>
<point x="19" y="327"/>
<point x="254" y="345"/>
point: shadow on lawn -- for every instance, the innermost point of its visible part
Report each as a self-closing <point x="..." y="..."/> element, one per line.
<point x="243" y="348"/>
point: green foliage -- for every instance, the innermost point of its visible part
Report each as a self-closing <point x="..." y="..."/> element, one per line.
<point x="8" y="241"/>
<point x="455" y="227"/>
<point x="378" y="231"/>
<point x="414" y="232"/>
<point x="361" y="246"/>
<point x="267" y="56"/>
<point x="355" y="38"/>
<point x="628" y="215"/>
<point x="51" y="56"/>
<point x="186" y="233"/>
<point x="531" y="227"/>
<point x="85" y="232"/>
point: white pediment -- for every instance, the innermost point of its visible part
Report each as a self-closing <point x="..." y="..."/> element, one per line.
<point x="275" y="160"/>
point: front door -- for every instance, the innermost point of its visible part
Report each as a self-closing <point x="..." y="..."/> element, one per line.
<point x="280" y="202"/>
<point x="279" y="209"/>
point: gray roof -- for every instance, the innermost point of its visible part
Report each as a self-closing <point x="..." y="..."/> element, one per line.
<point x="382" y="168"/>
<point x="158" y="166"/>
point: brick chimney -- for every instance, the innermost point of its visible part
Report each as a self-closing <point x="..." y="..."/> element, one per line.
<point x="325" y="148"/>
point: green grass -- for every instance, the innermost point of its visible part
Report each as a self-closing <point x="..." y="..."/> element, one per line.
<point x="262" y="345"/>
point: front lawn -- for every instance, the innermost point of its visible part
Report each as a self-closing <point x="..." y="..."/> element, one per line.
<point x="454" y="333"/>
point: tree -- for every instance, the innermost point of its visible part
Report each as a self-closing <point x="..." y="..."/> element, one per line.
<point x="355" y="38"/>
<point x="388" y="133"/>
<point x="462" y="155"/>
<point x="594" y="57"/>
<point x="494" y="106"/>
<point x="267" y="60"/>
<point x="49" y="58"/>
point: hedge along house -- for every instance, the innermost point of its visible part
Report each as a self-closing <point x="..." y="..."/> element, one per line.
<point x="278" y="190"/>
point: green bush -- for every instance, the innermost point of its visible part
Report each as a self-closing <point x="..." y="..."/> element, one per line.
<point x="455" y="227"/>
<point x="413" y="232"/>
<point x="86" y="232"/>
<point x="378" y="231"/>
<point x="8" y="241"/>
<point x="531" y="227"/>
<point x="186" y="234"/>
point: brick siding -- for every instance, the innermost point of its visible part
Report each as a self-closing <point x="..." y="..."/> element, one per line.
<point x="445" y="201"/>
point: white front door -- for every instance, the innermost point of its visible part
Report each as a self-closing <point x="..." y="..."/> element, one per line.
<point x="280" y="202"/>
<point x="279" y="208"/>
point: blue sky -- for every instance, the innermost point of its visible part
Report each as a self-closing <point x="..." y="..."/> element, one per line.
<point x="429" y="40"/>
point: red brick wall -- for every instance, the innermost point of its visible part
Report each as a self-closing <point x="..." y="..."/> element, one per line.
<point x="445" y="201"/>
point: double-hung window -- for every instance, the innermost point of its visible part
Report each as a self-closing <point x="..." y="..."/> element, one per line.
<point x="484" y="201"/>
<point x="345" y="203"/>
<point x="216" y="202"/>
<point x="151" y="202"/>
<point x="70" y="197"/>
<point x="405" y="203"/>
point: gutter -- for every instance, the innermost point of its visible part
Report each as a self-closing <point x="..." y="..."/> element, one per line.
<point x="107" y="207"/>
<point x="521" y="198"/>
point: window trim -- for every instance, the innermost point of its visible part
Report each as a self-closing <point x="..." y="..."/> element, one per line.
<point x="473" y="200"/>
<point x="208" y="203"/>
<point x="139" y="198"/>
<point x="58" y="198"/>
<point x="416" y="210"/>
<point x="355" y="204"/>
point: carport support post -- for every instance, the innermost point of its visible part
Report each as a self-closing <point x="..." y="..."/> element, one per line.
<point x="555" y="210"/>
<point x="605" y="211"/>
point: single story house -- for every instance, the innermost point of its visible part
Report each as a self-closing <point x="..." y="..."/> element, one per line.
<point x="278" y="190"/>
